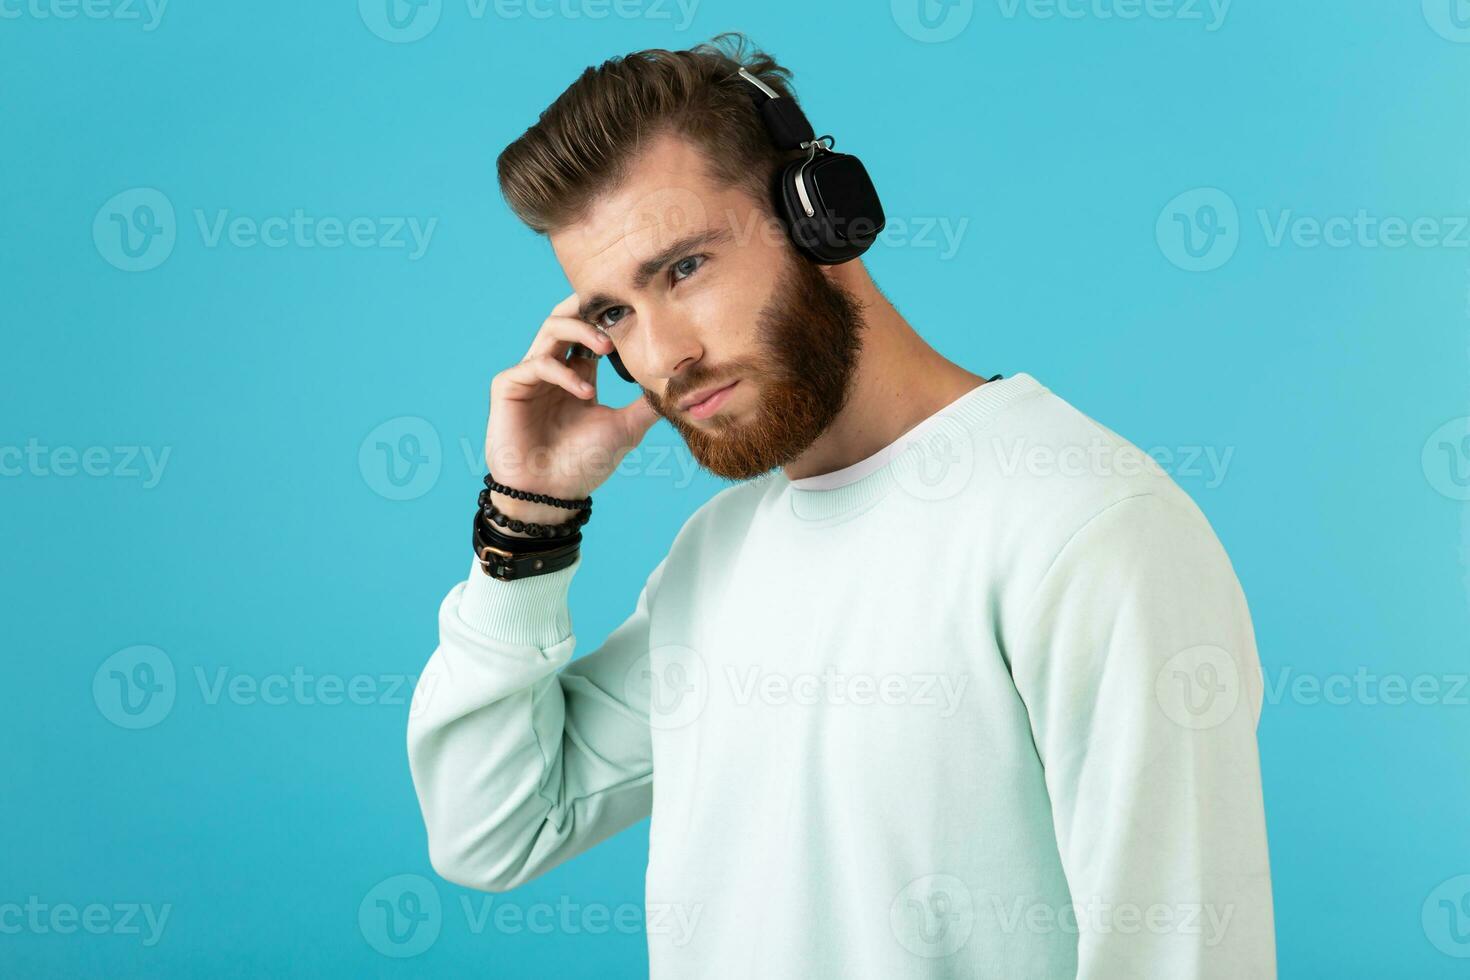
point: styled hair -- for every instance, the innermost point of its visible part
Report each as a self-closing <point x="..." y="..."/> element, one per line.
<point x="585" y="143"/>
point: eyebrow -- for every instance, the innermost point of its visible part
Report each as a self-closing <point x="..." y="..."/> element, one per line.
<point x="650" y="267"/>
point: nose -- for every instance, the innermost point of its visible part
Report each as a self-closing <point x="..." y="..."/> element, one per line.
<point x="667" y="343"/>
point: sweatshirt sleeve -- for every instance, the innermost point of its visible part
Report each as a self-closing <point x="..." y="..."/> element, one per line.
<point x="520" y="759"/>
<point x="1138" y="667"/>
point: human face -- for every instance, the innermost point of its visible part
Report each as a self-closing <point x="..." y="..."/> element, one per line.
<point x="698" y="290"/>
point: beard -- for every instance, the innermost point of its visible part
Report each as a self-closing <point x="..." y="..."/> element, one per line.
<point x="809" y="339"/>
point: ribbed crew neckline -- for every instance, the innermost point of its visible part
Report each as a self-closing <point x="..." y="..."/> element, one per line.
<point x="814" y="500"/>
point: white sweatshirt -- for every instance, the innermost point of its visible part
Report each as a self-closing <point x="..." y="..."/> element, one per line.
<point x="981" y="705"/>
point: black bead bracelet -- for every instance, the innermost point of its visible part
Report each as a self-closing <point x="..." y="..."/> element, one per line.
<point x="535" y="530"/>
<point x="536" y="498"/>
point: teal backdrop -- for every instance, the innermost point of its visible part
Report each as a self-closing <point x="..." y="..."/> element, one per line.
<point x="257" y="278"/>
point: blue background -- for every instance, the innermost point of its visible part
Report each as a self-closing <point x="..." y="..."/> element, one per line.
<point x="272" y="542"/>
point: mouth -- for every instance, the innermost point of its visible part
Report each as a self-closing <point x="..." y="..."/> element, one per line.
<point x="711" y="403"/>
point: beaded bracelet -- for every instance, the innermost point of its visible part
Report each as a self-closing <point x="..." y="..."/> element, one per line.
<point x="566" y="529"/>
<point x="536" y="498"/>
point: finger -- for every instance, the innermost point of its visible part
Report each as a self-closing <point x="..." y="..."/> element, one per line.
<point x="559" y="333"/>
<point x="567" y="307"/>
<point x="639" y="417"/>
<point x="527" y="377"/>
<point x="585" y="367"/>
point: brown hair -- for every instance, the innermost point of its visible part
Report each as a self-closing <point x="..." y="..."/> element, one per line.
<point x="585" y="142"/>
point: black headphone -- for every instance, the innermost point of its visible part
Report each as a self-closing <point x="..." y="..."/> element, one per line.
<point x="826" y="202"/>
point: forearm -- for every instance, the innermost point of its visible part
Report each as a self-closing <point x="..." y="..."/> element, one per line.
<point x="487" y="704"/>
<point x="522" y="759"/>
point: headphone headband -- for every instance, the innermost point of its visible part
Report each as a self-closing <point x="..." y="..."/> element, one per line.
<point x="784" y="119"/>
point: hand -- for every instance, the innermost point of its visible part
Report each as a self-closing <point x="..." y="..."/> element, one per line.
<point x="548" y="434"/>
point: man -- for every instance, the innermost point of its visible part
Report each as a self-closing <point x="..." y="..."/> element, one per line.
<point x="952" y="682"/>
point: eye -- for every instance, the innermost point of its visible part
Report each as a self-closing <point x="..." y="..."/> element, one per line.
<point x="606" y="320"/>
<point x="685" y="267"/>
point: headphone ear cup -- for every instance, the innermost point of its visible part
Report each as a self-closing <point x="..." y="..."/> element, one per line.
<point x="847" y="216"/>
<point x="805" y="233"/>
<point x="617" y="363"/>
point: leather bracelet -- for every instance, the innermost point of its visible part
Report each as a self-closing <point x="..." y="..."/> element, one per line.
<point x="518" y="544"/>
<point x="507" y="564"/>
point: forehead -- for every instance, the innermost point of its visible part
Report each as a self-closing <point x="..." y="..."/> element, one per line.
<point x="666" y="196"/>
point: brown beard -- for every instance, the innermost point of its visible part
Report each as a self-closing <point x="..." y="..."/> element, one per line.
<point x="809" y="339"/>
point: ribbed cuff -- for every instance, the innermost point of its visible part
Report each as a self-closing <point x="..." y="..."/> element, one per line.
<point x="531" y="610"/>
